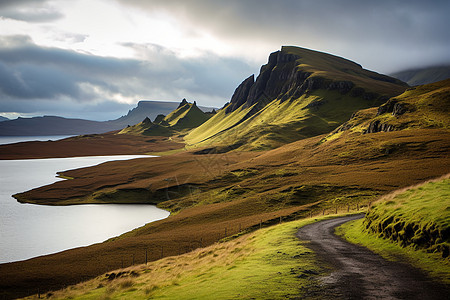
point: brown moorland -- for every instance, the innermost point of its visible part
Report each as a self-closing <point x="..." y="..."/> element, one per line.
<point x="212" y="196"/>
<point x="91" y="144"/>
<point x="220" y="194"/>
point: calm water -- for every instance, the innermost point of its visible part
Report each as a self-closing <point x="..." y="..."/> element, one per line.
<point x="17" y="139"/>
<point x="28" y="230"/>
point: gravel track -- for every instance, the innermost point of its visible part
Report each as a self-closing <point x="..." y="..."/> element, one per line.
<point x="358" y="273"/>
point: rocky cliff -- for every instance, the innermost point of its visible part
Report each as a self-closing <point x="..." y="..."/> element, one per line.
<point x="299" y="93"/>
<point x="293" y="72"/>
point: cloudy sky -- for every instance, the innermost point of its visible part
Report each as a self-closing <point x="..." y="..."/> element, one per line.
<point x="96" y="59"/>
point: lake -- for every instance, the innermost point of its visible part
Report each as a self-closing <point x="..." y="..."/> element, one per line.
<point x="17" y="139"/>
<point x="28" y="230"/>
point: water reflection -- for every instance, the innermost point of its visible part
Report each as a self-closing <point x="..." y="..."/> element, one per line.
<point x="28" y="230"/>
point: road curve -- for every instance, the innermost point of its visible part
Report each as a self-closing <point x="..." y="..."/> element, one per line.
<point x="358" y="273"/>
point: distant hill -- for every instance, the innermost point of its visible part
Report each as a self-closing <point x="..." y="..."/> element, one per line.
<point x="53" y="125"/>
<point x="3" y="119"/>
<point x="423" y="75"/>
<point x="185" y="117"/>
<point x="150" y="109"/>
<point x="298" y="94"/>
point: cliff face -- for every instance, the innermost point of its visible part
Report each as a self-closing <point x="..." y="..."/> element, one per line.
<point x="293" y="72"/>
<point x="298" y="94"/>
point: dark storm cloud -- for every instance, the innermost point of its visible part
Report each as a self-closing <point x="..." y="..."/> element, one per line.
<point x="30" y="72"/>
<point x="383" y="34"/>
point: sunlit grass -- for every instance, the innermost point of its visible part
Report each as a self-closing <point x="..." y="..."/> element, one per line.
<point x="265" y="264"/>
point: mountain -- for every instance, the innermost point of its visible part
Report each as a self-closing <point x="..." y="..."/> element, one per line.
<point x="147" y="127"/>
<point x="423" y="75"/>
<point x="3" y="119"/>
<point x="52" y="125"/>
<point x="186" y="116"/>
<point x="299" y="93"/>
<point x="150" y="109"/>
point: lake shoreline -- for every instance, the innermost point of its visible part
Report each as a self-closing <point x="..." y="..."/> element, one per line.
<point x="29" y="231"/>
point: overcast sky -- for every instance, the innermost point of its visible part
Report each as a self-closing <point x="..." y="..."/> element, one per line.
<point x="96" y="59"/>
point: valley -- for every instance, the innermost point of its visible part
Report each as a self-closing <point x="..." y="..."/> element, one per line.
<point x="313" y="135"/>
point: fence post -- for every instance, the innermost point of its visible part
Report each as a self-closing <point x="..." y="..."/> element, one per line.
<point x="260" y="224"/>
<point x="280" y="219"/>
<point x="145" y="255"/>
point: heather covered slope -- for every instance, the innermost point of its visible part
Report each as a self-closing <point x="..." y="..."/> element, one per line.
<point x="299" y="93"/>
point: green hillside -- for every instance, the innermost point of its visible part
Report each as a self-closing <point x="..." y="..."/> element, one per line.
<point x="425" y="106"/>
<point x="185" y="117"/>
<point x="147" y="127"/>
<point x="299" y="93"/>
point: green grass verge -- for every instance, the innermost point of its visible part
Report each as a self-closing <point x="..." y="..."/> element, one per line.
<point x="270" y="263"/>
<point x="410" y="224"/>
<point x="431" y="263"/>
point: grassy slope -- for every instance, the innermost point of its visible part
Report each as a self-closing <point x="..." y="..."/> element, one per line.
<point x="147" y="129"/>
<point x="186" y="117"/>
<point x="183" y="118"/>
<point x="426" y="210"/>
<point x="279" y="122"/>
<point x="428" y="107"/>
<point x="270" y="263"/>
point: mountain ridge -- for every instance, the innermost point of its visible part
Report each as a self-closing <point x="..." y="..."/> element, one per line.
<point x="299" y="93"/>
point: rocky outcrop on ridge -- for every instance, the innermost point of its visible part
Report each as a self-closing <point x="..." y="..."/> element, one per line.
<point x="284" y="77"/>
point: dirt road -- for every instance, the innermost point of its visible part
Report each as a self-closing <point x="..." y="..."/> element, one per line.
<point x="358" y="273"/>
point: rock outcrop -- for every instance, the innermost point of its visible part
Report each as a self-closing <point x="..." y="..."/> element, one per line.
<point x="393" y="106"/>
<point x="182" y="103"/>
<point x="377" y="126"/>
<point x="285" y="77"/>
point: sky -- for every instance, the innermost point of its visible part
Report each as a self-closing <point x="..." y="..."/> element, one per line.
<point x="95" y="59"/>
